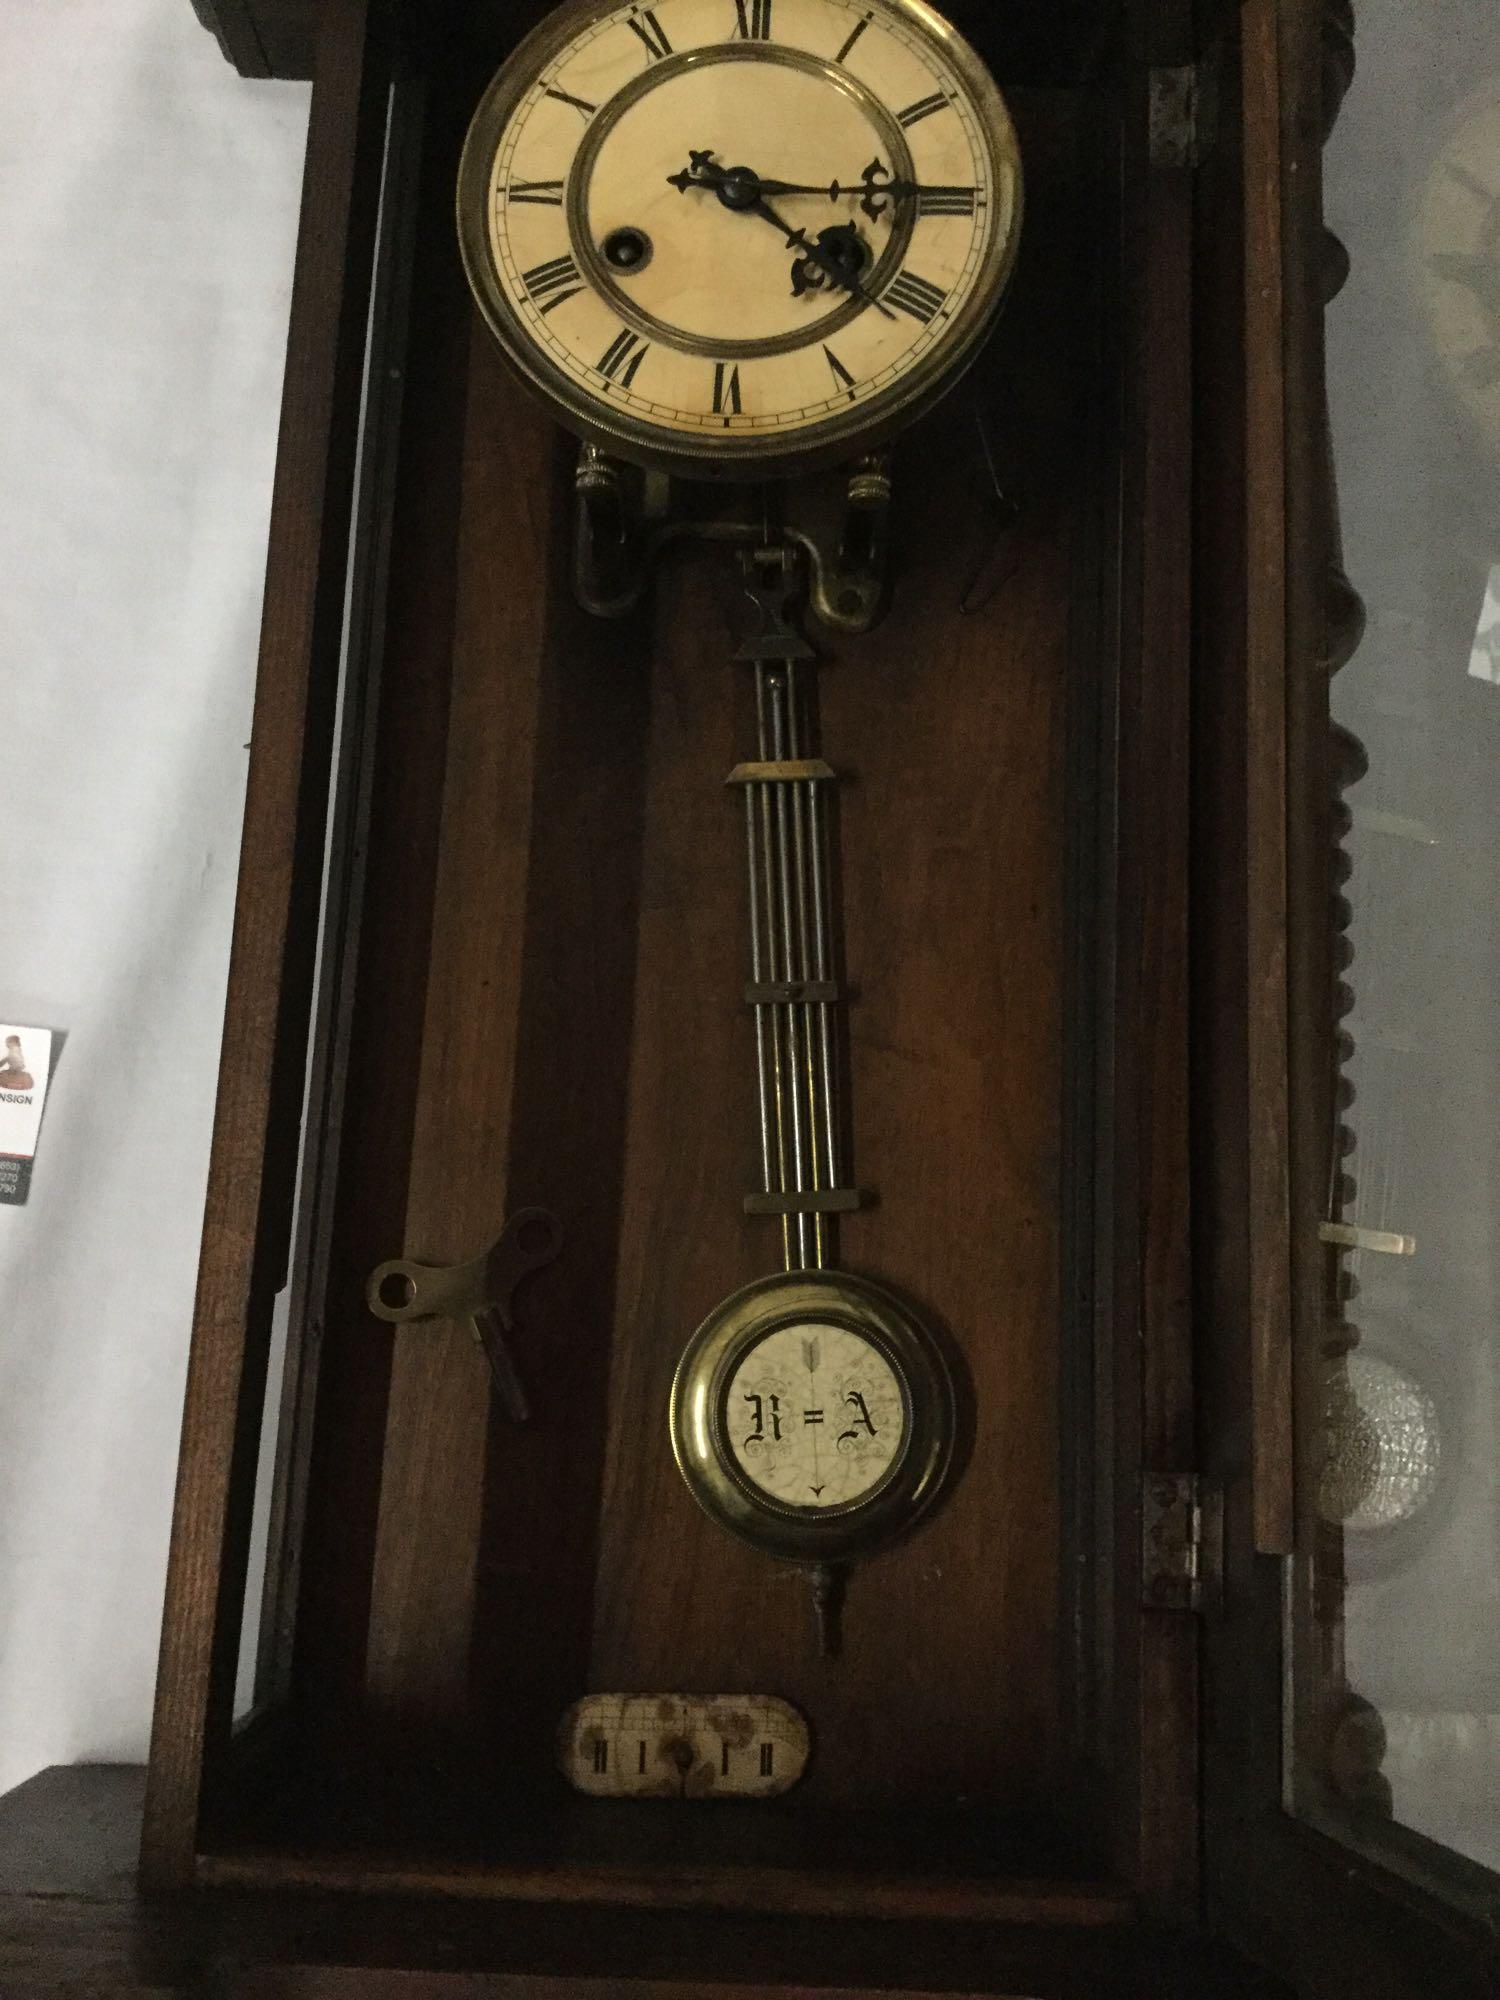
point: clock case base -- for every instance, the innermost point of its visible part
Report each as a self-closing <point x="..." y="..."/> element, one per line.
<point x="488" y="942"/>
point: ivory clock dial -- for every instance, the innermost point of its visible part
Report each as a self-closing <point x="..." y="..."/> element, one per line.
<point x="814" y="1416"/>
<point x="740" y="231"/>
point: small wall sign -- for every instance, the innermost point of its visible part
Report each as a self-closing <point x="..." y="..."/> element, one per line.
<point x="25" y="1070"/>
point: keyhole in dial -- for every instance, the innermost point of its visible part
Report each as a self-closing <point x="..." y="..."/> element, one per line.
<point x="627" y="250"/>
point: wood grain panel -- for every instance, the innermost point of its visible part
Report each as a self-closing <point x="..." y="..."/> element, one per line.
<point x="432" y="1486"/>
<point x="252" y="1168"/>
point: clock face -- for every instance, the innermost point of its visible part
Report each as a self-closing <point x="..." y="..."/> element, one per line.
<point x="723" y="233"/>
<point x="814" y="1416"/>
<point x="1458" y="259"/>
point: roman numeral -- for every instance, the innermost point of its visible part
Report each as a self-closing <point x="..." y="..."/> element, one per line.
<point x="554" y="282"/>
<point x="578" y="103"/>
<point x="752" y="20"/>
<point x="767" y="1758"/>
<point x="945" y="200"/>
<point x="625" y="348"/>
<point x="841" y="374"/>
<point x="724" y="1757"/>
<point x="915" y="296"/>
<point x="644" y="23"/>
<point x="641" y="1767"/>
<point x="601" y="1756"/>
<point x="726" y="390"/>
<point x="859" y="28"/>
<point x="547" y="194"/>
<point x="923" y="108"/>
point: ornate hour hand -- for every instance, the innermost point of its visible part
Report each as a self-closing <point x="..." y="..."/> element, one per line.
<point x="843" y="245"/>
<point x="742" y="190"/>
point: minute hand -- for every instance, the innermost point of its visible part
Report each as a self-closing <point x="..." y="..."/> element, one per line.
<point x="875" y="193"/>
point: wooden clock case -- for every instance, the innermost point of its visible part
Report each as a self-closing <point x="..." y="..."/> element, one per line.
<point x="487" y="953"/>
<point x="528" y="994"/>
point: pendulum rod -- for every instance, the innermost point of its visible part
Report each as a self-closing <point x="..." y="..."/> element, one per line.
<point x="792" y="988"/>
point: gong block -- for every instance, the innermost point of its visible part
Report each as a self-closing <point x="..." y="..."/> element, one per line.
<point x="529" y="993"/>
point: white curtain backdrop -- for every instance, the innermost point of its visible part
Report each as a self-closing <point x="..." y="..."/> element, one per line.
<point x="148" y="206"/>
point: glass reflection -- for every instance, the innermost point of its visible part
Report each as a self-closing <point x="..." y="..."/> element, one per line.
<point x="1407" y="1590"/>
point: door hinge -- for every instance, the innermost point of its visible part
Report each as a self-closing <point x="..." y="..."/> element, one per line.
<point x="1184" y="105"/>
<point x="1182" y="1542"/>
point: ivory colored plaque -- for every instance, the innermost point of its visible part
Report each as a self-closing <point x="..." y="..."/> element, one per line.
<point x="682" y="1746"/>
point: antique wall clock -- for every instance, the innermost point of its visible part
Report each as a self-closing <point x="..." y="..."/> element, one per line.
<point x="750" y="992"/>
<point x="1032" y="1070"/>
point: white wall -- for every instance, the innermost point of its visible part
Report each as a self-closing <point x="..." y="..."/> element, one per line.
<point x="148" y="205"/>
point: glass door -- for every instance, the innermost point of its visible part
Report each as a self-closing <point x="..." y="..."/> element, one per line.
<point x="1397" y="1616"/>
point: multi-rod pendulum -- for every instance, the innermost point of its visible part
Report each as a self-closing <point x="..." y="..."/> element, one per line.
<point x="793" y="987"/>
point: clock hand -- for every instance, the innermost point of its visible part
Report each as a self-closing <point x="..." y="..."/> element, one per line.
<point x="742" y="190"/>
<point x="876" y="187"/>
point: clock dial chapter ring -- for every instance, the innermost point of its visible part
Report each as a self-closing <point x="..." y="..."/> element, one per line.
<point x="885" y="133"/>
<point x="809" y="1307"/>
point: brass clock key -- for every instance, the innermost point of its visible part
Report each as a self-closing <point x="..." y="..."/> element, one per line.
<point x="478" y="1294"/>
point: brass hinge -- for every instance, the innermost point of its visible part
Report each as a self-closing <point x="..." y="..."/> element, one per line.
<point x="1184" y="102"/>
<point x="1182" y="1542"/>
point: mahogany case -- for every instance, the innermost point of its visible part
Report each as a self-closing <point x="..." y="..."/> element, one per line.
<point x="489" y="952"/>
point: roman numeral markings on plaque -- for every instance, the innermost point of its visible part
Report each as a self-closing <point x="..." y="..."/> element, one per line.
<point x="923" y="108"/>
<point x="644" y="23"/>
<point x="841" y="374"/>
<point x="916" y="296"/>
<point x="946" y="200"/>
<point x="857" y="31"/>
<point x="626" y="351"/>
<point x="546" y="194"/>
<point x="727" y="391"/>
<point x="553" y="283"/>
<point x="601" y="1756"/>
<point x="752" y="20"/>
<point x="578" y="103"/>
<point x="767" y="1759"/>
